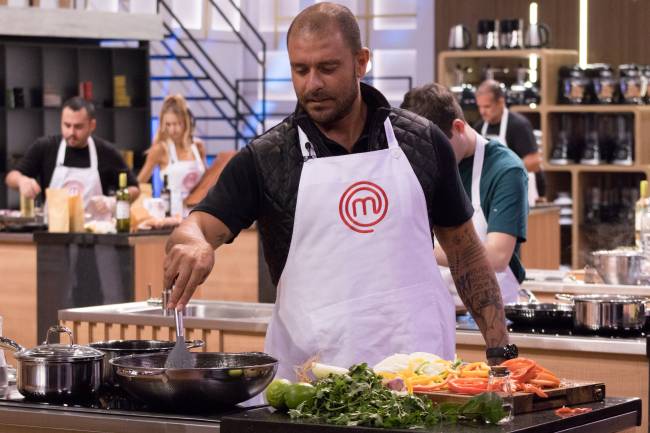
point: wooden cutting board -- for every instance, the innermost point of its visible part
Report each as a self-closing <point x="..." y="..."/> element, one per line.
<point x="572" y="393"/>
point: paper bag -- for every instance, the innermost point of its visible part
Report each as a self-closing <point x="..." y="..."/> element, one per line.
<point x="58" y="212"/>
<point x="76" y="210"/>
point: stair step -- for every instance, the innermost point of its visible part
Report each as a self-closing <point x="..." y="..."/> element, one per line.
<point x="168" y="57"/>
<point x="177" y="78"/>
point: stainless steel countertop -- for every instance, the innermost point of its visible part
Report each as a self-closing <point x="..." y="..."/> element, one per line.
<point x="122" y="313"/>
<point x="560" y="343"/>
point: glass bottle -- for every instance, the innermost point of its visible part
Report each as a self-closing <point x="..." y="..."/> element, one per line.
<point x="500" y="383"/>
<point x="165" y="195"/>
<point x="123" y="206"/>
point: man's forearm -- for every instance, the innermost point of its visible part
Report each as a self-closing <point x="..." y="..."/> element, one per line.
<point x="476" y="283"/>
<point x="194" y="230"/>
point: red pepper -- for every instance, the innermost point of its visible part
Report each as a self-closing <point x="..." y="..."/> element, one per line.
<point x="468" y="385"/>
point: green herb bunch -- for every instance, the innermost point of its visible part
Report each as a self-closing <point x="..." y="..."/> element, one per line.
<point x="360" y="399"/>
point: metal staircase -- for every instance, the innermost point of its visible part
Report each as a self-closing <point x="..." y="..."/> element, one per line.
<point x="222" y="112"/>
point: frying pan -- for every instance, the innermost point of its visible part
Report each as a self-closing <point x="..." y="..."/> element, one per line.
<point x="217" y="379"/>
<point x="551" y="315"/>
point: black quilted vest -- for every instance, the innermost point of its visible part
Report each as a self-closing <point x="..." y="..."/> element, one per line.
<point x="279" y="163"/>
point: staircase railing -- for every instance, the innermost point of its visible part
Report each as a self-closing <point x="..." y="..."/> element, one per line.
<point x="229" y="102"/>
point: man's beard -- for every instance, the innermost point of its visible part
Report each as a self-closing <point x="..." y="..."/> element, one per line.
<point x="342" y="106"/>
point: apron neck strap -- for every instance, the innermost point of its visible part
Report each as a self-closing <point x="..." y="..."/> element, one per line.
<point x="308" y="150"/>
<point x="92" y="152"/>
<point x="171" y="148"/>
<point x="477" y="171"/>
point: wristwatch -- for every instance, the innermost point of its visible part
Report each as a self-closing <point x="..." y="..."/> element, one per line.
<point x="508" y="351"/>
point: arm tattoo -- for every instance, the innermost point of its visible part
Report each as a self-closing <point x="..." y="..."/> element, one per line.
<point x="476" y="282"/>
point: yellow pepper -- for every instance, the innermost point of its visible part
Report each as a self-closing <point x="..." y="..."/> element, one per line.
<point x="475" y="369"/>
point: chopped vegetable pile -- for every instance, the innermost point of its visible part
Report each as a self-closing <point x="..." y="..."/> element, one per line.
<point x="360" y="398"/>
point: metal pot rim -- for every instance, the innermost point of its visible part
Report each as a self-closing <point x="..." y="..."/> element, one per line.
<point x="118" y="362"/>
<point x="164" y="345"/>
<point x="610" y="299"/>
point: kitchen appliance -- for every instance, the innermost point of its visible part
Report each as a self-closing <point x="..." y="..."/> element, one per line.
<point x="607" y="313"/>
<point x="460" y="37"/>
<point x="633" y="84"/>
<point x="537" y="36"/>
<point x="522" y="91"/>
<point x="619" y="266"/>
<point x="540" y="315"/>
<point x="560" y="151"/>
<point x="623" y="152"/>
<point x="464" y="93"/>
<point x="217" y="379"/>
<point x="573" y="84"/>
<point x="603" y="85"/>
<point x="592" y="151"/>
<point x="487" y="36"/>
<point x="116" y="348"/>
<point x="57" y="372"/>
<point x="511" y="33"/>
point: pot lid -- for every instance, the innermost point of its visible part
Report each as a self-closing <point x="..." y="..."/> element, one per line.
<point x="60" y="352"/>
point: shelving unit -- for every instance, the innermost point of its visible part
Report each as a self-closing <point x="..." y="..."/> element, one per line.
<point x="35" y="65"/>
<point x="574" y="178"/>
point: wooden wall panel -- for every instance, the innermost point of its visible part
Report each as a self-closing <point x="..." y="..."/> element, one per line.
<point x="560" y="15"/>
<point x="618" y="31"/>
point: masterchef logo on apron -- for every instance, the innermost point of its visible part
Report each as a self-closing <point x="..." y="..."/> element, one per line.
<point x="73" y="186"/>
<point x="363" y="205"/>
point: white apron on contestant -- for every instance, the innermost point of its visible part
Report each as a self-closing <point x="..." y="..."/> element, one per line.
<point x="83" y="181"/>
<point x="360" y="282"/>
<point x="507" y="280"/>
<point x="183" y="176"/>
<point x="533" y="194"/>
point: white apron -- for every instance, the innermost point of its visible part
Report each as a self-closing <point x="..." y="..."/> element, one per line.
<point x="507" y="280"/>
<point x="76" y="180"/>
<point x="183" y="176"/>
<point x="360" y="282"/>
<point x="533" y="194"/>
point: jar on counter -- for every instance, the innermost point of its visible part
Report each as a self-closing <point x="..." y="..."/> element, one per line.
<point x="633" y="85"/>
<point x="499" y="382"/>
<point x="573" y="85"/>
<point x="603" y="84"/>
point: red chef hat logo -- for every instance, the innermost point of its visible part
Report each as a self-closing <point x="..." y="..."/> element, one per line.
<point x="363" y="205"/>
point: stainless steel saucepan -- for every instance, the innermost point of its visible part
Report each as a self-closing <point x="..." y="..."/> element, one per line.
<point x="216" y="379"/>
<point x="610" y="313"/>
<point x="117" y="348"/>
<point x="57" y="372"/>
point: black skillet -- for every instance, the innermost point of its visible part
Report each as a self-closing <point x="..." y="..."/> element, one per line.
<point x="550" y="315"/>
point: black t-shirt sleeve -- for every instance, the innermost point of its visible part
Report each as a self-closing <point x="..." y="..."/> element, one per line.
<point x="520" y="135"/>
<point x="236" y="198"/>
<point x="32" y="163"/>
<point x="111" y="164"/>
<point x="451" y="205"/>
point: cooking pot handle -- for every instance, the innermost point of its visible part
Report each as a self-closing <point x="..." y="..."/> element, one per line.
<point x="59" y="330"/>
<point x="564" y="297"/>
<point x="9" y="344"/>
<point x="194" y="344"/>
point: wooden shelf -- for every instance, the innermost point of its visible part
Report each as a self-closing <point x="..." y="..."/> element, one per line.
<point x="526" y="108"/>
<point x="491" y="54"/>
<point x="619" y="108"/>
<point x="603" y="168"/>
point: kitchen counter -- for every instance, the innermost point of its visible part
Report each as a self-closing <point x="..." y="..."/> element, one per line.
<point x="610" y="415"/>
<point x="7" y="237"/>
<point x="19" y="416"/>
<point x="551" y="282"/>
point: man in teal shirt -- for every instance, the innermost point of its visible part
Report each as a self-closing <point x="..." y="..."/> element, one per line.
<point x="494" y="178"/>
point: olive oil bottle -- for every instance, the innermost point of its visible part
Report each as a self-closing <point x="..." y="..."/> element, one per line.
<point x="122" y="206"/>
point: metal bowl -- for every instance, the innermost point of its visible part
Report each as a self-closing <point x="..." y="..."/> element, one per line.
<point x="217" y="379"/>
<point x="619" y="266"/>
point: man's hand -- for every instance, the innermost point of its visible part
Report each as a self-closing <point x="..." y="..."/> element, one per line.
<point x="190" y="255"/>
<point x="28" y="187"/>
<point x="101" y="204"/>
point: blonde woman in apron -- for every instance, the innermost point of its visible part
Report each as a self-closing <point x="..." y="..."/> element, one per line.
<point x="179" y="156"/>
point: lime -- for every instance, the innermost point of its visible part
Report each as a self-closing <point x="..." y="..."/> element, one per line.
<point x="275" y="393"/>
<point x="297" y="393"/>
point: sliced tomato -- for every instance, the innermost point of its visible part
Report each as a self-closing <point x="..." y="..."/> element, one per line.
<point x="468" y="385"/>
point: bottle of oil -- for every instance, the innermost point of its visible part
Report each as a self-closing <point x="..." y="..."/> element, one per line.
<point x="639" y="209"/>
<point x="122" y="206"/>
<point x="165" y="195"/>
